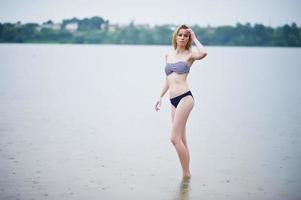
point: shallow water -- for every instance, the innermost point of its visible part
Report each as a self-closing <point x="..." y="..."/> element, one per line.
<point x="77" y="122"/>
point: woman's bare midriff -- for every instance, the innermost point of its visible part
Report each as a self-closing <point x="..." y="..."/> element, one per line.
<point x="177" y="84"/>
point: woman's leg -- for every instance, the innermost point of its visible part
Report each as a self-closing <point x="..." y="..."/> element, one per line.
<point x="178" y="130"/>
<point x="185" y="143"/>
<point x="173" y="110"/>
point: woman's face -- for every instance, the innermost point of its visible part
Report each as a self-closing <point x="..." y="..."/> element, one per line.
<point x="182" y="37"/>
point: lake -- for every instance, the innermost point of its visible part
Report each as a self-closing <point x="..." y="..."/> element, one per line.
<point x="78" y="122"/>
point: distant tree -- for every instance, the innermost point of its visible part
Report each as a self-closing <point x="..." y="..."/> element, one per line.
<point x="10" y="33"/>
<point x="1" y="32"/>
<point x="162" y="34"/>
<point x="68" y="21"/>
<point x="96" y="30"/>
<point x="48" y="22"/>
<point x="93" y="23"/>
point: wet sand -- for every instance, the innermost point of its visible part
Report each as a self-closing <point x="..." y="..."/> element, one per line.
<point x="75" y="161"/>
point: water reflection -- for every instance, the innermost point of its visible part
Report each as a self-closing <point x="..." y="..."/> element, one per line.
<point x="183" y="192"/>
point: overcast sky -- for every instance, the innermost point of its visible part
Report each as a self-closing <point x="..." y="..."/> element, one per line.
<point x="210" y="12"/>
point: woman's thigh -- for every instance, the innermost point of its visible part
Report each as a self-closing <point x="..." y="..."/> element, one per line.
<point x="173" y="111"/>
<point x="181" y="114"/>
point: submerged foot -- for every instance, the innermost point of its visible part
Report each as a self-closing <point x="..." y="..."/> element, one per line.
<point x="186" y="176"/>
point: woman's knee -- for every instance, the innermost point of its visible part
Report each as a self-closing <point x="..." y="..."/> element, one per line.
<point x="175" y="139"/>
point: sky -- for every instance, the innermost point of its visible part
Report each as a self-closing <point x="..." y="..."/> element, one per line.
<point x="156" y="12"/>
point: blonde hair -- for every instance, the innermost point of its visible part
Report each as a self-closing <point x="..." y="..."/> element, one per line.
<point x="174" y="37"/>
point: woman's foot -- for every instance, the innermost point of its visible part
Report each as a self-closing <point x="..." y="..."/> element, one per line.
<point x="186" y="176"/>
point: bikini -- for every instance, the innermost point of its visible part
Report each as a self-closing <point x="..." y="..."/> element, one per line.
<point x="180" y="67"/>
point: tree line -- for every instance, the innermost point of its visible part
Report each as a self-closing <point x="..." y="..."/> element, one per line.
<point x="96" y="30"/>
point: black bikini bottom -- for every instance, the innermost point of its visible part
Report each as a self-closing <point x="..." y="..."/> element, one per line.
<point x="176" y="100"/>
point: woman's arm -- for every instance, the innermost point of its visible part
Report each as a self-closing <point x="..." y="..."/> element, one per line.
<point x="201" y="53"/>
<point x="165" y="86"/>
<point x="163" y="91"/>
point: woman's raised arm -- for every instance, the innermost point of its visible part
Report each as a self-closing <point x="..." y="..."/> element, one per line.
<point x="201" y="53"/>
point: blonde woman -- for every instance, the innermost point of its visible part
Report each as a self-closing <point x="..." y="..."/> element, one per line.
<point x="178" y="64"/>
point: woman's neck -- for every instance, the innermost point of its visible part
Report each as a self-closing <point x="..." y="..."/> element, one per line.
<point x="180" y="50"/>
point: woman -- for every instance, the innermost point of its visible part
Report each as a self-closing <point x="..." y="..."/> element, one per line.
<point x="178" y="64"/>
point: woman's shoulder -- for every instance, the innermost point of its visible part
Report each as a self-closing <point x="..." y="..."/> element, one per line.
<point x="170" y="53"/>
<point x="167" y="55"/>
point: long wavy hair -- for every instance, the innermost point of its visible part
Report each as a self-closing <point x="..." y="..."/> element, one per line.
<point x="174" y="37"/>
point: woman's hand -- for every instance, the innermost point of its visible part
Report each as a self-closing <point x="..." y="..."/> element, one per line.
<point x="158" y="104"/>
<point x="192" y="34"/>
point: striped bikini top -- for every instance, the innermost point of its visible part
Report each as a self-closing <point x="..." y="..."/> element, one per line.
<point x="179" y="67"/>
